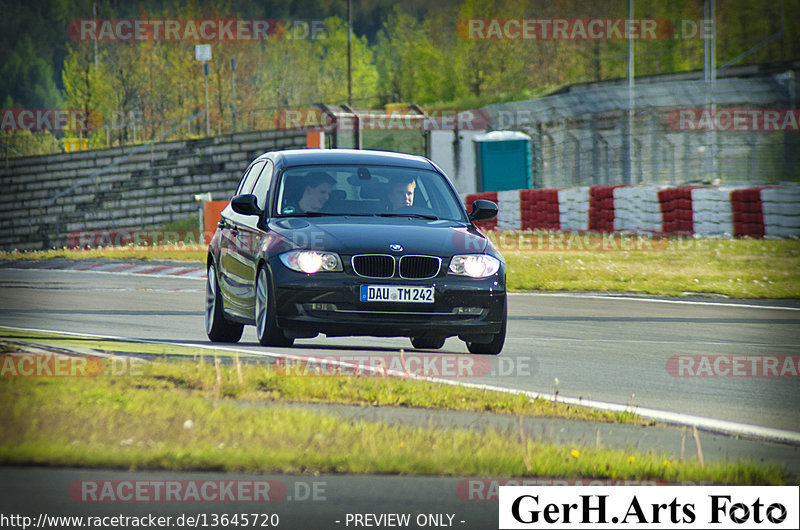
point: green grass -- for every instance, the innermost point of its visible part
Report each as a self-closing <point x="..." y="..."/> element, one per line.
<point x="743" y="268"/>
<point x="738" y="268"/>
<point x="183" y="416"/>
<point x="262" y="382"/>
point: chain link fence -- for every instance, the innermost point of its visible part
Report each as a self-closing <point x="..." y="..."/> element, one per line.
<point x="726" y="130"/>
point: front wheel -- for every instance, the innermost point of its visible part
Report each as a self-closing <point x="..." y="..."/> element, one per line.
<point x="496" y="345"/>
<point x="427" y="343"/>
<point x="218" y="328"/>
<point x="269" y="334"/>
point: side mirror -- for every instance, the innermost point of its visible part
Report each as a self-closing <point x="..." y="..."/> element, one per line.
<point x="245" y="205"/>
<point x="483" y="210"/>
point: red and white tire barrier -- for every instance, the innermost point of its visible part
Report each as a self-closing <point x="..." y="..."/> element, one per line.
<point x="721" y="211"/>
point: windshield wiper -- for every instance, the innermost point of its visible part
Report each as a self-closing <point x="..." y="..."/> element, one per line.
<point x="313" y="214"/>
<point x="409" y="214"/>
<point x="353" y="214"/>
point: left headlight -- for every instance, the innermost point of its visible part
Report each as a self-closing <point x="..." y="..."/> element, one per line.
<point x="474" y="265"/>
<point x="311" y="261"/>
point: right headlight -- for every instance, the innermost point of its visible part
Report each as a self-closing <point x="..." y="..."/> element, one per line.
<point x="311" y="261"/>
<point x="474" y="265"/>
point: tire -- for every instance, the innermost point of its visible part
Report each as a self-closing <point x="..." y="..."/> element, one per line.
<point x="427" y="343"/>
<point x="496" y="345"/>
<point x="267" y="330"/>
<point x="218" y="328"/>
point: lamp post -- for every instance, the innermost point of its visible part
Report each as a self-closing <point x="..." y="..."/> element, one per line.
<point x="202" y="52"/>
<point x="233" y="91"/>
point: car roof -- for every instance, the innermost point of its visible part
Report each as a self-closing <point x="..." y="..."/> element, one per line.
<point x="292" y="157"/>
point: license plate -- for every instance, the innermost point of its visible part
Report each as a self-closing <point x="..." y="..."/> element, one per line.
<point x="396" y="293"/>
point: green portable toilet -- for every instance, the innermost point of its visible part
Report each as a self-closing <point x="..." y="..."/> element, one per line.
<point x="502" y="160"/>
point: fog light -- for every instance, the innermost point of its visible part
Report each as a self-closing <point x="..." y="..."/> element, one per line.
<point x="468" y="310"/>
<point x="319" y="307"/>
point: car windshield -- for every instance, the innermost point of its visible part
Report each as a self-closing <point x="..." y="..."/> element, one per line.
<point x="366" y="191"/>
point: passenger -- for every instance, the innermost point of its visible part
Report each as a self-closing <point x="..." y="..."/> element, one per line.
<point x="401" y="193"/>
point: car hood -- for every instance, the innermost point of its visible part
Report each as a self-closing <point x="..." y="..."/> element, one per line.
<point x="357" y="235"/>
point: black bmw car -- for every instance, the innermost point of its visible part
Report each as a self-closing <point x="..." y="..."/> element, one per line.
<point x="351" y="242"/>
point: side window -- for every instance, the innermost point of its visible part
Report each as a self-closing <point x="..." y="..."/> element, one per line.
<point x="250" y="177"/>
<point x="262" y="185"/>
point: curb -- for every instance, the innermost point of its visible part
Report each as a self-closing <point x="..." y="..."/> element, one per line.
<point x="163" y="269"/>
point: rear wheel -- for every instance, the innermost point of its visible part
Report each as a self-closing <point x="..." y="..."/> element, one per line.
<point x="427" y="343"/>
<point x="269" y="334"/>
<point x="496" y="345"/>
<point x="218" y="328"/>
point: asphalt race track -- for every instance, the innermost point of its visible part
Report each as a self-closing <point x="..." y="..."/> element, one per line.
<point x="603" y="348"/>
<point x="613" y="349"/>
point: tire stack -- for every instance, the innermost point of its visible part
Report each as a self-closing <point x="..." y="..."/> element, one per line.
<point x="636" y="209"/>
<point x="748" y="215"/>
<point x="676" y="211"/>
<point x="540" y="209"/>
<point x="573" y="209"/>
<point x="781" y="208"/>
<point x="713" y="215"/>
<point x="601" y="208"/>
<point x="509" y="215"/>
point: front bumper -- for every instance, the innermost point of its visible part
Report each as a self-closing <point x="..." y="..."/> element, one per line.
<point x="328" y="303"/>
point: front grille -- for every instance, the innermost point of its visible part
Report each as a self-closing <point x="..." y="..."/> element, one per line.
<point x="419" y="267"/>
<point x="374" y="265"/>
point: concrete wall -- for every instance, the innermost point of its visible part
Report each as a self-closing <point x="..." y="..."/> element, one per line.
<point x="454" y="152"/>
<point x="153" y="187"/>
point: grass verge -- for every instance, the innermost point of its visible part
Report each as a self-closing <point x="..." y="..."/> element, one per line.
<point x="738" y="268"/>
<point x="743" y="268"/>
<point x="185" y="415"/>
<point x="262" y="382"/>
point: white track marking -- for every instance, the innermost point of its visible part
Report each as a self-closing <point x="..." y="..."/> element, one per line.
<point x="656" y="300"/>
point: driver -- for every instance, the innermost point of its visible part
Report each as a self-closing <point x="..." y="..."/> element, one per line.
<point x="317" y="188"/>
<point x="401" y="193"/>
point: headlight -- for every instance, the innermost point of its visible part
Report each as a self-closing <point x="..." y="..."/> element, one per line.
<point x="474" y="265"/>
<point x="311" y="261"/>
